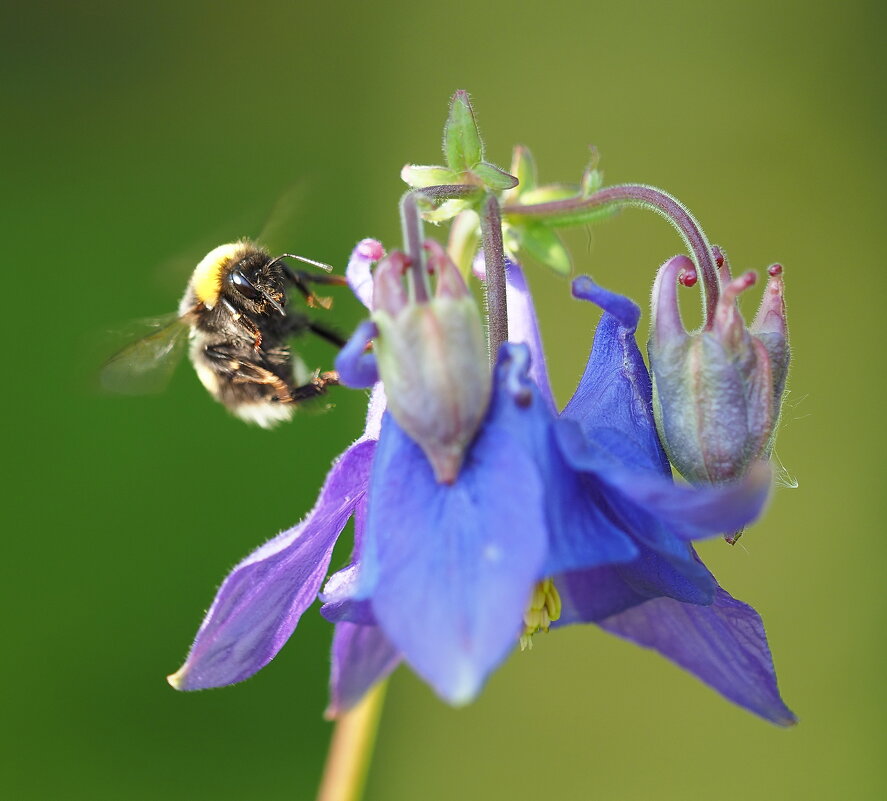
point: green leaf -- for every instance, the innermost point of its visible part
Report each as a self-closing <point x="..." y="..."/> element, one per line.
<point x="544" y="245"/>
<point x="579" y="216"/>
<point x="463" y="147"/>
<point x="495" y="179"/>
<point x="419" y="176"/>
<point x="547" y="194"/>
<point x="446" y="210"/>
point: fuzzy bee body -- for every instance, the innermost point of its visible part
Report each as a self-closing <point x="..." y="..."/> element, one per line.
<point x="238" y="324"/>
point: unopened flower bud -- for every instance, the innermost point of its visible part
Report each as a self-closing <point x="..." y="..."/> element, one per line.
<point x="432" y="358"/>
<point x="717" y="392"/>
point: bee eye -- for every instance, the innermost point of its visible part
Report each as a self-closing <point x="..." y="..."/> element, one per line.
<point x="243" y="285"/>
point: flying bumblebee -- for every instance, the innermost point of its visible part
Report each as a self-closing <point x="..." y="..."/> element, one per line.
<point x="235" y="318"/>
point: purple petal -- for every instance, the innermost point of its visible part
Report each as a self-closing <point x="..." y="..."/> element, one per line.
<point x="589" y="596"/>
<point x="356" y="366"/>
<point x="362" y="656"/>
<point x="358" y="274"/>
<point x="262" y="599"/>
<point x="723" y="644"/>
<point x="450" y="568"/>
<point x="338" y="596"/>
<point x="375" y="410"/>
<point x="524" y="327"/>
<point x="614" y="397"/>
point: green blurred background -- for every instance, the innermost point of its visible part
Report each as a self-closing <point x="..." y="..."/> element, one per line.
<point x="137" y="137"/>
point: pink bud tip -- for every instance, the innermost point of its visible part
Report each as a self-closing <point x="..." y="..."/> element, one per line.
<point x="719" y="256"/>
<point x="744" y="281"/>
<point x="688" y="277"/>
<point x="371" y="249"/>
<point x="774" y="269"/>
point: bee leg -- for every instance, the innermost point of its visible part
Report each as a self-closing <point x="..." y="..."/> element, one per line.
<point x="245" y="373"/>
<point x="245" y="323"/>
<point x="317" y="386"/>
<point x="301" y="280"/>
<point x="325" y="333"/>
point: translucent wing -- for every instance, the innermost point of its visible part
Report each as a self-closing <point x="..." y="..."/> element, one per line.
<point x="147" y="364"/>
<point x="282" y="223"/>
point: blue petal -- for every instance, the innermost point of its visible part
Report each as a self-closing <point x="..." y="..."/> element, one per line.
<point x="361" y="657"/>
<point x="260" y="602"/>
<point x="723" y="644"/>
<point x="450" y="568"/>
<point x="523" y="327"/>
<point x="613" y="401"/>
<point x="645" y="527"/>
<point x="356" y="366"/>
<point x="580" y="533"/>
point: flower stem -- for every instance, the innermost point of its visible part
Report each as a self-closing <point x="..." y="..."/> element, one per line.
<point x="494" y="261"/>
<point x="351" y="748"/>
<point x="411" y="225"/>
<point x="648" y="197"/>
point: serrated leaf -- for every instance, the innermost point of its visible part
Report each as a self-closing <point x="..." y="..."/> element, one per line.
<point x="419" y="176"/>
<point x="494" y="178"/>
<point x="545" y="245"/>
<point x="463" y="147"/>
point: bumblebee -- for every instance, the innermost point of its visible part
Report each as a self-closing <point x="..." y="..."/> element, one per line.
<point x="235" y="319"/>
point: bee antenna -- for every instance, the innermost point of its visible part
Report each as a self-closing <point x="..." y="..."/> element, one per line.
<point x="323" y="266"/>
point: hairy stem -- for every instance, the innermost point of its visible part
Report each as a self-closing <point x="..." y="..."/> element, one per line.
<point x="494" y="260"/>
<point x="411" y="224"/>
<point x="351" y="748"/>
<point x="648" y="197"/>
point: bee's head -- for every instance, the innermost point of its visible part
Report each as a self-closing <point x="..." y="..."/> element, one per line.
<point x="244" y="273"/>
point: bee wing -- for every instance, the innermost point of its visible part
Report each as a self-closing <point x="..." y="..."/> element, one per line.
<point x="288" y="210"/>
<point x="147" y="364"/>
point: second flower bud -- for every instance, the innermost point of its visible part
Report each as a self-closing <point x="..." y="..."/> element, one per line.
<point x="432" y="357"/>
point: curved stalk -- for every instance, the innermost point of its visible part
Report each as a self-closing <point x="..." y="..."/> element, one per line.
<point x="648" y="197"/>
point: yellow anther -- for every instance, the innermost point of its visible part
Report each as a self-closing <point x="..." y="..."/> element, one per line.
<point x="543" y="610"/>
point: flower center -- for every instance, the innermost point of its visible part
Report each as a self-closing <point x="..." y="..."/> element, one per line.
<point x="544" y="608"/>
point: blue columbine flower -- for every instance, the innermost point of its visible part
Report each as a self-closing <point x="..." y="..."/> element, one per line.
<point x="665" y="598"/>
<point x="448" y="575"/>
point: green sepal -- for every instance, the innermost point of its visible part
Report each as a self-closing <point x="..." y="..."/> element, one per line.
<point x="545" y="245"/>
<point x="523" y="167"/>
<point x="447" y="210"/>
<point x="463" y="147"/>
<point x="419" y="176"/>
<point x="592" y="181"/>
<point x="592" y="177"/>
<point x="495" y="179"/>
